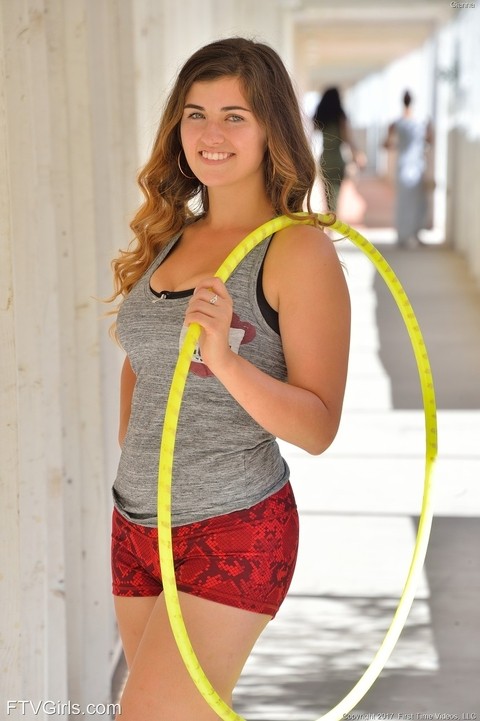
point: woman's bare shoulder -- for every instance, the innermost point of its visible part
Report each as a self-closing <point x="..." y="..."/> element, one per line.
<point x="302" y="262"/>
<point x="301" y="245"/>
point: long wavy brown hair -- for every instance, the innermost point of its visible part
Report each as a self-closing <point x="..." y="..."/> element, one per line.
<point x="171" y="199"/>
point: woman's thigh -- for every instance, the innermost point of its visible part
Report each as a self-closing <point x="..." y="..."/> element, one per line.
<point x="159" y="687"/>
<point x="132" y="615"/>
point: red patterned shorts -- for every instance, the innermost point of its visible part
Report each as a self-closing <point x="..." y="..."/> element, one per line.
<point x="244" y="559"/>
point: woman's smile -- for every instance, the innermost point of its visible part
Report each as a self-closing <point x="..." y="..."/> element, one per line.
<point x="216" y="156"/>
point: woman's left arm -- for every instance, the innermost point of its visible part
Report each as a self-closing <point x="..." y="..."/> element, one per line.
<point x="303" y="278"/>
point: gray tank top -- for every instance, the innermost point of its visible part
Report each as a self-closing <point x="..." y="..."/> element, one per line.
<point x="224" y="461"/>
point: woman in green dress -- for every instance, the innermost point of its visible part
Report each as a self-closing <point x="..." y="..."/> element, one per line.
<point x="331" y="120"/>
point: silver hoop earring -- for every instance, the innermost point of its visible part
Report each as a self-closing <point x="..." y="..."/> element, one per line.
<point x="189" y="177"/>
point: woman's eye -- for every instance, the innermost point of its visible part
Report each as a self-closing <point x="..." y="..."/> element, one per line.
<point x="235" y="118"/>
<point x="196" y="115"/>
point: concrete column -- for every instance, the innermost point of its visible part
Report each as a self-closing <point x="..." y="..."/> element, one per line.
<point x="67" y="134"/>
<point x="33" y="581"/>
<point x="168" y="32"/>
<point x="463" y="212"/>
<point x="83" y="84"/>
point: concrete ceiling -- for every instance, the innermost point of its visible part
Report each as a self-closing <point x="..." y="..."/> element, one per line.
<point x="341" y="41"/>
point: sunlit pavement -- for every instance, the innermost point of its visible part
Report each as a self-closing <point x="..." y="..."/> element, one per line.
<point x="359" y="505"/>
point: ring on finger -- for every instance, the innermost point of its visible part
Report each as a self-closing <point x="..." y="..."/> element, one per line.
<point x="213" y="299"/>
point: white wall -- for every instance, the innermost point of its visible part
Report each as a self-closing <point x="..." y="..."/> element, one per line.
<point x="81" y="88"/>
<point x="461" y="42"/>
<point x="376" y="101"/>
<point x="167" y="33"/>
<point x="443" y="75"/>
<point x="69" y="155"/>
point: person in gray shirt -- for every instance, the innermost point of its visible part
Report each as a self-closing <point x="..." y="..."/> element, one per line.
<point x="230" y="154"/>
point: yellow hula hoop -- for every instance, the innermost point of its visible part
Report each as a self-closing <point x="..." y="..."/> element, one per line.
<point x="166" y="464"/>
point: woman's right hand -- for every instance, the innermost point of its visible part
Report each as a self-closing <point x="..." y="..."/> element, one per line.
<point x="211" y="307"/>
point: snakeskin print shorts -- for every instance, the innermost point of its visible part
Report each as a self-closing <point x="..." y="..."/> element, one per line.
<point x="244" y="559"/>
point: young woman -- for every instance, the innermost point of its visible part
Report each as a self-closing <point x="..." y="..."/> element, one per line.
<point x="412" y="139"/>
<point x="230" y="154"/>
<point x="331" y="120"/>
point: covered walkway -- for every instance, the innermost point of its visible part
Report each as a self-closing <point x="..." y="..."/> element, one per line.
<point x="82" y="85"/>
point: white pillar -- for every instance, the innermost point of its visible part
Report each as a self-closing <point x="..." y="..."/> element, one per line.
<point x="82" y="89"/>
<point x="34" y="549"/>
<point x="167" y="32"/>
<point x="68" y="133"/>
<point x="463" y="212"/>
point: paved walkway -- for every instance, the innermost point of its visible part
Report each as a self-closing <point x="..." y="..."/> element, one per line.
<point x="359" y="506"/>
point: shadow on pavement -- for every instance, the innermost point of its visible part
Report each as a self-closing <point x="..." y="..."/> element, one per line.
<point x="311" y="659"/>
<point x="446" y="302"/>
